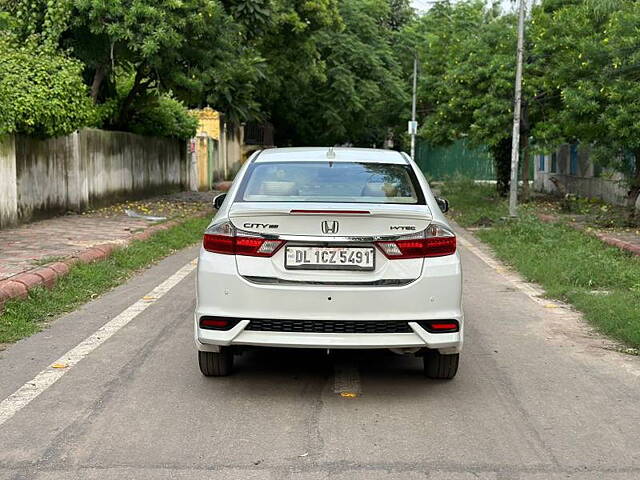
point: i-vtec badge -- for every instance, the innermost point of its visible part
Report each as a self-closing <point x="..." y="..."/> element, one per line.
<point x="260" y="225"/>
<point x="402" y="227"/>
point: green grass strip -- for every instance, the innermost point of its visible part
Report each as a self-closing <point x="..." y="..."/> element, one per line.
<point x="84" y="282"/>
<point x="601" y="281"/>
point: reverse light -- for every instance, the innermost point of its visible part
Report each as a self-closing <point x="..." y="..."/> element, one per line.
<point x="436" y="241"/>
<point x="224" y="238"/>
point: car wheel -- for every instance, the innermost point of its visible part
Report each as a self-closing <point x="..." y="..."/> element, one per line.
<point x="439" y="366"/>
<point x="216" y="364"/>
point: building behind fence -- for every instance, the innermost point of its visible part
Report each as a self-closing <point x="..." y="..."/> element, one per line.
<point x="573" y="169"/>
<point x="88" y="168"/>
<point x="569" y="169"/>
<point x="220" y="148"/>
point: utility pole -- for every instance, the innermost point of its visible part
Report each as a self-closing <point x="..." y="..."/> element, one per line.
<point x="413" y="125"/>
<point x="515" y="145"/>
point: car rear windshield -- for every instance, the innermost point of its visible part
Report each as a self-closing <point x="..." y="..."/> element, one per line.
<point x="332" y="182"/>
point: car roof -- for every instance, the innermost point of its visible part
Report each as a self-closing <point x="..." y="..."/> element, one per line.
<point x="340" y="154"/>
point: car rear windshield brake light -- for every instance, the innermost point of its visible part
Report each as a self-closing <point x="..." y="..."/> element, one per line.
<point x="224" y="238"/>
<point x="435" y="241"/>
<point x="331" y="212"/>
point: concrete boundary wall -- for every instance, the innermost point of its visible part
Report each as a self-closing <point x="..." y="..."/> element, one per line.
<point x="8" y="187"/>
<point x="610" y="190"/>
<point x="89" y="168"/>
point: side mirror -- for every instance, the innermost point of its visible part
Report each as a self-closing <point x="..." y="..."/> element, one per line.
<point x="217" y="201"/>
<point x="443" y="203"/>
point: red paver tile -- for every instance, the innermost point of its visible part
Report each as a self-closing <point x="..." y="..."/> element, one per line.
<point x="91" y="255"/>
<point x="11" y="289"/>
<point x="106" y="248"/>
<point x="48" y="275"/>
<point x="60" y="268"/>
<point x="29" y="280"/>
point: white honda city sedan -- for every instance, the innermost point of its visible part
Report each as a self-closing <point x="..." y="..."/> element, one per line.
<point x="341" y="248"/>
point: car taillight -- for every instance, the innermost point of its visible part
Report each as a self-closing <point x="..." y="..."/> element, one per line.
<point x="435" y="241"/>
<point x="224" y="238"/>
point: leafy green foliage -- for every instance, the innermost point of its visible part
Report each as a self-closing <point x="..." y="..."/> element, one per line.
<point x="591" y="70"/>
<point x="582" y="68"/>
<point x="192" y="48"/>
<point x="44" y="19"/>
<point x="41" y="93"/>
<point x="323" y="71"/>
<point x="467" y="74"/>
<point x="254" y="15"/>
<point x="356" y="92"/>
<point x="164" y="116"/>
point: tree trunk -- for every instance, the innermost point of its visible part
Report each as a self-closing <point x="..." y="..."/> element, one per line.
<point x="96" y="85"/>
<point x="125" y="106"/>
<point x="634" y="191"/>
<point x="501" y="153"/>
<point x="524" y="143"/>
<point x="524" y="148"/>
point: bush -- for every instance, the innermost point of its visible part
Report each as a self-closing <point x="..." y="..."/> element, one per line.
<point x="41" y="92"/>
<point x="164" y="116"/>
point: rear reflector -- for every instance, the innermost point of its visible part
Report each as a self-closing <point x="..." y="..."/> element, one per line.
<point x="217" y="323"/>
<point x="440" y="326"/>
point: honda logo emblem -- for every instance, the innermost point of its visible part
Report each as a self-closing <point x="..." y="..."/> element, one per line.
<point x="330" y="227"/>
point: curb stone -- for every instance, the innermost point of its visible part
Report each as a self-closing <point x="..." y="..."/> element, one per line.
<point x="48" y="276"/>
<point x="28" y="279"/>
<point x="606" y="238"/>
<point x="616" y="242"/>
<point x="10" y="290"/>
<point x="18" y="286"/>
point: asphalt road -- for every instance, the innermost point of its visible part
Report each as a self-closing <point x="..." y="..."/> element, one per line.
<point x="537" y="397"/>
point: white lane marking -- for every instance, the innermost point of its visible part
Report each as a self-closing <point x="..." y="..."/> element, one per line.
<point x="346" y="379"/>
<point x="50" y="375"/>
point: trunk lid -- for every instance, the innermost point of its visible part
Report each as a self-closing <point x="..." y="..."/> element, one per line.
<point x="330" y="220"/>
<point x="330" y="224"/>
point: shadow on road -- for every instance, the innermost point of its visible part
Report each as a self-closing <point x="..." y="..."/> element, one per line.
<point x="375" y="371"/>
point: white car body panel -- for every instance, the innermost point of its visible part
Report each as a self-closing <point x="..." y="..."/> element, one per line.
<point x="239" y="287"/>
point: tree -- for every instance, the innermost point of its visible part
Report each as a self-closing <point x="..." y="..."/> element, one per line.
<point x="191" y="48"/>
<point x="353" y="91"/>
<point x="591" y="53"/>
<point x="41" y="93"/>
<point x="323" y="71"/>
<point x="467" y="54"/>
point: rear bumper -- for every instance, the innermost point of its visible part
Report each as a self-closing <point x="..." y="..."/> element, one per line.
<point x="435" y="295"/>
<point x="209" y="340"/>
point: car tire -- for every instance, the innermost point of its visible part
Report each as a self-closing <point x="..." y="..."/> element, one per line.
<point x="439" y="366"/>
<point x="216" y="364"/>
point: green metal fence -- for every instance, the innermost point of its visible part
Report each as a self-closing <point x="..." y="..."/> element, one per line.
<point x="459" y="158"/>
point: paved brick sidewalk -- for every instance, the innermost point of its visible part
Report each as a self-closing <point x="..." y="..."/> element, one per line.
<point x="28" y="247"/>
<point x="628" y="240"/>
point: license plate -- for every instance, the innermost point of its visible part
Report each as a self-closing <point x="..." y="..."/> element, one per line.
<point x="329" y="258"/>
